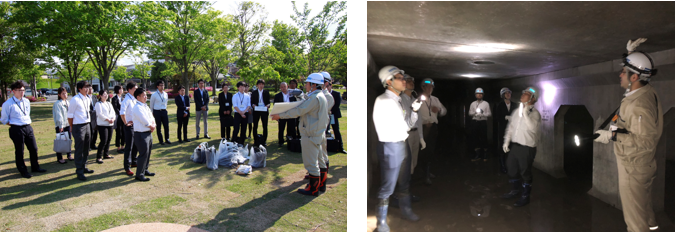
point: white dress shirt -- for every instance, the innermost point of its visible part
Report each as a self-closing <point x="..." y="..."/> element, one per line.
<point x="142" y="117"/>
<point x="159" y="101"/>
<point x="428" y="117"/>
<point x="389" y="118"/>
<point x="79" y="109"/>
<point x="241" y="101"/>
<point x="524" y="129"/>
<point x="261" y="97"/>
<point x="126" y="107"/>
<point x="16" y="112"/>
<point x="286" y="97"/>
<point x="483" y="106"/>
<point x="104" y="111"/>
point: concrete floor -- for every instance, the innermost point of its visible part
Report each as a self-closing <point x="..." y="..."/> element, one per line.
<point x="465" y="196"/>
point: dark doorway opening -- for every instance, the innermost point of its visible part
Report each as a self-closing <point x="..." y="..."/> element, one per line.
<point x="578" y="156"/>
<point x="670" y="178"/>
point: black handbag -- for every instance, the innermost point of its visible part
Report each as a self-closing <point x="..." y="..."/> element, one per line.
<point x="333" y="145"/>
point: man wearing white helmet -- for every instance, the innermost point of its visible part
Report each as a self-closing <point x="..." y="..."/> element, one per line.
<point x="520" y="142"/>
<point x="480" y="111"/>
<point x="313" y="120"/>
<point x="335" y="113"/>
<point x="502" y="112"/>
<point x="392" y="123"/>
<point x="429" y="112"/>
<point x="635" y="130"/>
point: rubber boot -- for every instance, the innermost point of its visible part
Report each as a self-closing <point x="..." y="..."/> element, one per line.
<point x="428" y="174"/>
<point x="405" y="204"/>
<point x="394" y="202"/>
<point x="312" y="187"/>
<point x="502" y="162"/>
<point x="515" y="191"/>
<point x="323" y="178"/>
<point x="525" y="198"/>
<point x="382" y="211"/>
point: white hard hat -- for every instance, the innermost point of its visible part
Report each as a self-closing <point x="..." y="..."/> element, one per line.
<point x="326" y="76"/>
<point x="504" y="90"/>
<point x="315" y="78"/>
<point x="428" y="81"/>
<point x="388" y="72"/>
<point x="641" y="64"/>
<point x="532" y="91"/>
<point x="479" y="91"/>
<point x="407" y="76"/>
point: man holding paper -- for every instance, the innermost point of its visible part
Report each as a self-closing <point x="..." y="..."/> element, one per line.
<point x="260" y="102"/>
<point x="241" y="106"/>
<point x="313" y="115"/>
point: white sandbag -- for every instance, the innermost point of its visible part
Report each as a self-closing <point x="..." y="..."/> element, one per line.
<point x="199" y="155"/>
<point x="211" y="158"/>
<point x="258" y="157"/>
<point x="244" y="170"/>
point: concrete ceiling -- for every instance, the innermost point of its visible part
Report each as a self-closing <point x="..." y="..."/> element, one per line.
<point x="423" y="38"/>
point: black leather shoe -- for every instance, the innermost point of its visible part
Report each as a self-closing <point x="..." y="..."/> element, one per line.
<point x="167" y="141"/>
<point x="99" y="161"/>
<point x="88" y="171"/>
<point x="187" y="140"/>
<point x="38" y="170"/>
<point x="82" y="177"/>
<point x="108" y="157"/>
<point x="180" y="141"/>
<point x="120" y="151"/>
<point x="280" y="145"/>
<point x="197" y="137"/>
<point x="208" y="137"/>
<point x="26" y="175"/>
<point x="141" y="178"/>
<point x="147" y="173"/>
<point x="161" y="143"/>
<point x="343" y="151"/>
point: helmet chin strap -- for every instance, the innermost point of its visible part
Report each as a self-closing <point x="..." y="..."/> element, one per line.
<point x="393" y="89"/>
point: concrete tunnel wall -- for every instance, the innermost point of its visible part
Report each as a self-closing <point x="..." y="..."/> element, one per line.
<point x="597" y="87"/>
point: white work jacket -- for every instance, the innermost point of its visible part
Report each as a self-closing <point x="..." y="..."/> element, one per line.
<point x="524" y="129"/>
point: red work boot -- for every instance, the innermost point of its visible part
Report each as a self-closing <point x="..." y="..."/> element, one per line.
<point x="312" y="187"/>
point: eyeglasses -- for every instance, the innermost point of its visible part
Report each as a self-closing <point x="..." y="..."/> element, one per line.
<point x="20" y="90"/>
<point x="399" y="79"/>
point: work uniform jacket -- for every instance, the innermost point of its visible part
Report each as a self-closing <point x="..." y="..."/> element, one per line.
<point x="313" y="116"/>
<point x="641" y="115"/>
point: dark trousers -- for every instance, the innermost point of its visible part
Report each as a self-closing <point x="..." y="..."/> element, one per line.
<point x="82" y="135"/>
<point x="335" y="128"/>
<point x="264" y="122"/>
<point x="119" y="133"/>
<point x="479" y="134"/>
<point x="501" y="129"/>
<point x="226" y="122"/>
<point x="67" y="129"/>
<point x="430" y="137"/>
<point x="162" y="121"/>
<point x="281" y="129"/>
<point x="392" y="156"/>
<point x="23" y="135"/>
<point x="239" y="122"/>
<point x="105" y="134"/>
<point x="144" y="142"/>
<point x="519" y="162"/>
<point x="183" y="124"/>
<point x="130" y="148"/>
<point x="296" y="126"/>
<point x="93" y="130"/>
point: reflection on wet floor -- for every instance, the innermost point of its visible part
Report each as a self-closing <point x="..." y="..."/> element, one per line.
<point x="466" y="196"/>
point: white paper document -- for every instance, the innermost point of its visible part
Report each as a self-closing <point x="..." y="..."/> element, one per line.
<point x="283" y="107"/>
<point x="260" y="108"/>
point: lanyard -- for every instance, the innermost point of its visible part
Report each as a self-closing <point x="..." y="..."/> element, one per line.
<point x="242" y="97"/>
<point x="161" y="96"/>
<point x="19" y="106"/>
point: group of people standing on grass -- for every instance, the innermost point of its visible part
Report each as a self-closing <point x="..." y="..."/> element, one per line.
<point x="85" y="115"/>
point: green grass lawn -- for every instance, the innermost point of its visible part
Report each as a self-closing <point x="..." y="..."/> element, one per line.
<point x="182" y="192"/>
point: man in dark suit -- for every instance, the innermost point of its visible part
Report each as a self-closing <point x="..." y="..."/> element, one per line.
<point x="284" y="97"/>
<point x="225" y="110"/>
<point x="93" y="124"/>
<point x="202" y="99"/>
<point x="502" y="112"/>
<point x="336" y="113"/>
<point x="183" y="113"/>
<point x="261" y="101"/>
<point x="119" y="130"/>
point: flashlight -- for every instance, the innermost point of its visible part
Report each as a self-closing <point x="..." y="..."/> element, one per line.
<point x="477" y="110"/>
<point x="421" y="98"/>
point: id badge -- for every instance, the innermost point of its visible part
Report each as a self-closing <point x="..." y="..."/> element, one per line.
<point x="332" y="119"/>
<point x="227" y="104"/>
<point x="242" y="107"/>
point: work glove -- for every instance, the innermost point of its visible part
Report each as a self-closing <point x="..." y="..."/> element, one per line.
<point x="604" y="136"/>
<point x="506" y="148"/>
<point x="416" y="105"/>
<point x="422" y="143"/>
<point x="631" y="45"/>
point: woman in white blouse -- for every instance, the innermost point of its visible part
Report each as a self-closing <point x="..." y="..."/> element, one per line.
<point x="105" y="121"/>
<point x="59" y="111"/>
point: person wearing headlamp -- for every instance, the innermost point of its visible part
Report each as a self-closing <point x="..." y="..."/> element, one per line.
<point x="479" y="111"/>
<point x="635" y="131"/>
<point x="430" y="110"/>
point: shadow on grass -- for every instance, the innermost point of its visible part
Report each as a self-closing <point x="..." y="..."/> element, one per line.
<point x="31" y="189"/>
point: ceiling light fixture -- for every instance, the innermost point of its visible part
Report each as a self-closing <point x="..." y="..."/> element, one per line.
<point x="472" y="75"/>
<point x="485" y="48"/>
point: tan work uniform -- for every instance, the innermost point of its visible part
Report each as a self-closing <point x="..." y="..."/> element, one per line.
<point x="330" y="102"/>
<point x="641" y="114"/>
<point x="312" y="124"/>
